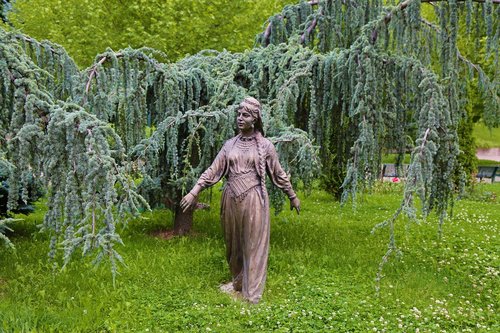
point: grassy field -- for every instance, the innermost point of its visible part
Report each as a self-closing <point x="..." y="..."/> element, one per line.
<point x="486" y="138"/>
<point x="321" y="276"/>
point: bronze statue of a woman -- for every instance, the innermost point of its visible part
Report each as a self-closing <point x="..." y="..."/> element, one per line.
<point x="244" y="160"/>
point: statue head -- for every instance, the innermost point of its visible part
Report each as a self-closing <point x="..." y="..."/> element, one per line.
<point x="252" y="106"/>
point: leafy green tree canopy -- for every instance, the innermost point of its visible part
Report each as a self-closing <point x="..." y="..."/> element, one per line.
<point x="176" y="27"/>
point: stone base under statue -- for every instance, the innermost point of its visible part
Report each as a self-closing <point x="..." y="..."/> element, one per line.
<point x="228" y="288"/>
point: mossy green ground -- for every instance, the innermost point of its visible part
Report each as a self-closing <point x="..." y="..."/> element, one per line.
<point x="321" y="275"/>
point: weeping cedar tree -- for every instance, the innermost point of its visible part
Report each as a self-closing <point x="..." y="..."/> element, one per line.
<point x="91" y="135"/>
<point x="355" y="78"/>
<point x="5" y="6"/>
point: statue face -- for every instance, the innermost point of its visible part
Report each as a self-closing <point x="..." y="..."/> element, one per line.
<point x="244" y="120"/>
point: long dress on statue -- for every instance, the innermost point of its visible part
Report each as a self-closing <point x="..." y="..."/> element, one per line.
<point x="245" y="214"/>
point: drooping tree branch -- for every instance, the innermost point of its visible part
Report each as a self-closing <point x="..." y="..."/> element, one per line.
<point x="309" y="30"/>
<point x="480" y="1"/>
<point x="403" y="5"/>
<point x="387" y="18"/>
<point x="406" y="3"/>
<point x="459" y="55"/>
<point x="267" y="32"/>
<point x="92" y="73"/>
<point x="269" y="28"/>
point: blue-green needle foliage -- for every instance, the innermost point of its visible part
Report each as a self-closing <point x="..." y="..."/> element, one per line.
<point x="127" y="118"/>
<point x="79" y="158"/>
<point x="354" y="78"/>
<point x="385" y="78"/>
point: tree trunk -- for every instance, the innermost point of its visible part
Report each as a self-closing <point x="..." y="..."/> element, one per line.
<point x="183" y="221"/>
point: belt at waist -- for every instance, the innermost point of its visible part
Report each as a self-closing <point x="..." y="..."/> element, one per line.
<point x="247" y="175"/>
<point x="239" y="184"/>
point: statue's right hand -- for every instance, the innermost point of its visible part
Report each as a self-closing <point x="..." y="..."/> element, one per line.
<point x="188" y="201"/>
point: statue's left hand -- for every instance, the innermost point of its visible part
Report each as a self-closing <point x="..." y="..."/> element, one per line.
<point x="188" y="202"/>
<point x="295" y="203"/>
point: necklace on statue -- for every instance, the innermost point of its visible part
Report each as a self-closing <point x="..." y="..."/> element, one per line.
<point x="247" y="138"/>
<point x="245" y="143"/>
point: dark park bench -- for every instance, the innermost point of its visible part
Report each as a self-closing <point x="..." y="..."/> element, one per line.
<point x="488" y="172"/>
<point x="483" y="172"/>
<point x="392" y="170"/>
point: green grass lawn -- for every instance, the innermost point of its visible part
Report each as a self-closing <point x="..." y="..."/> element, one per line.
<point x="321" y="275"/>
<point x="486" y="138"/>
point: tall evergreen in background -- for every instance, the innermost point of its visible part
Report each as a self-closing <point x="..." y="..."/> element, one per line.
<point x="357" y="79"/>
